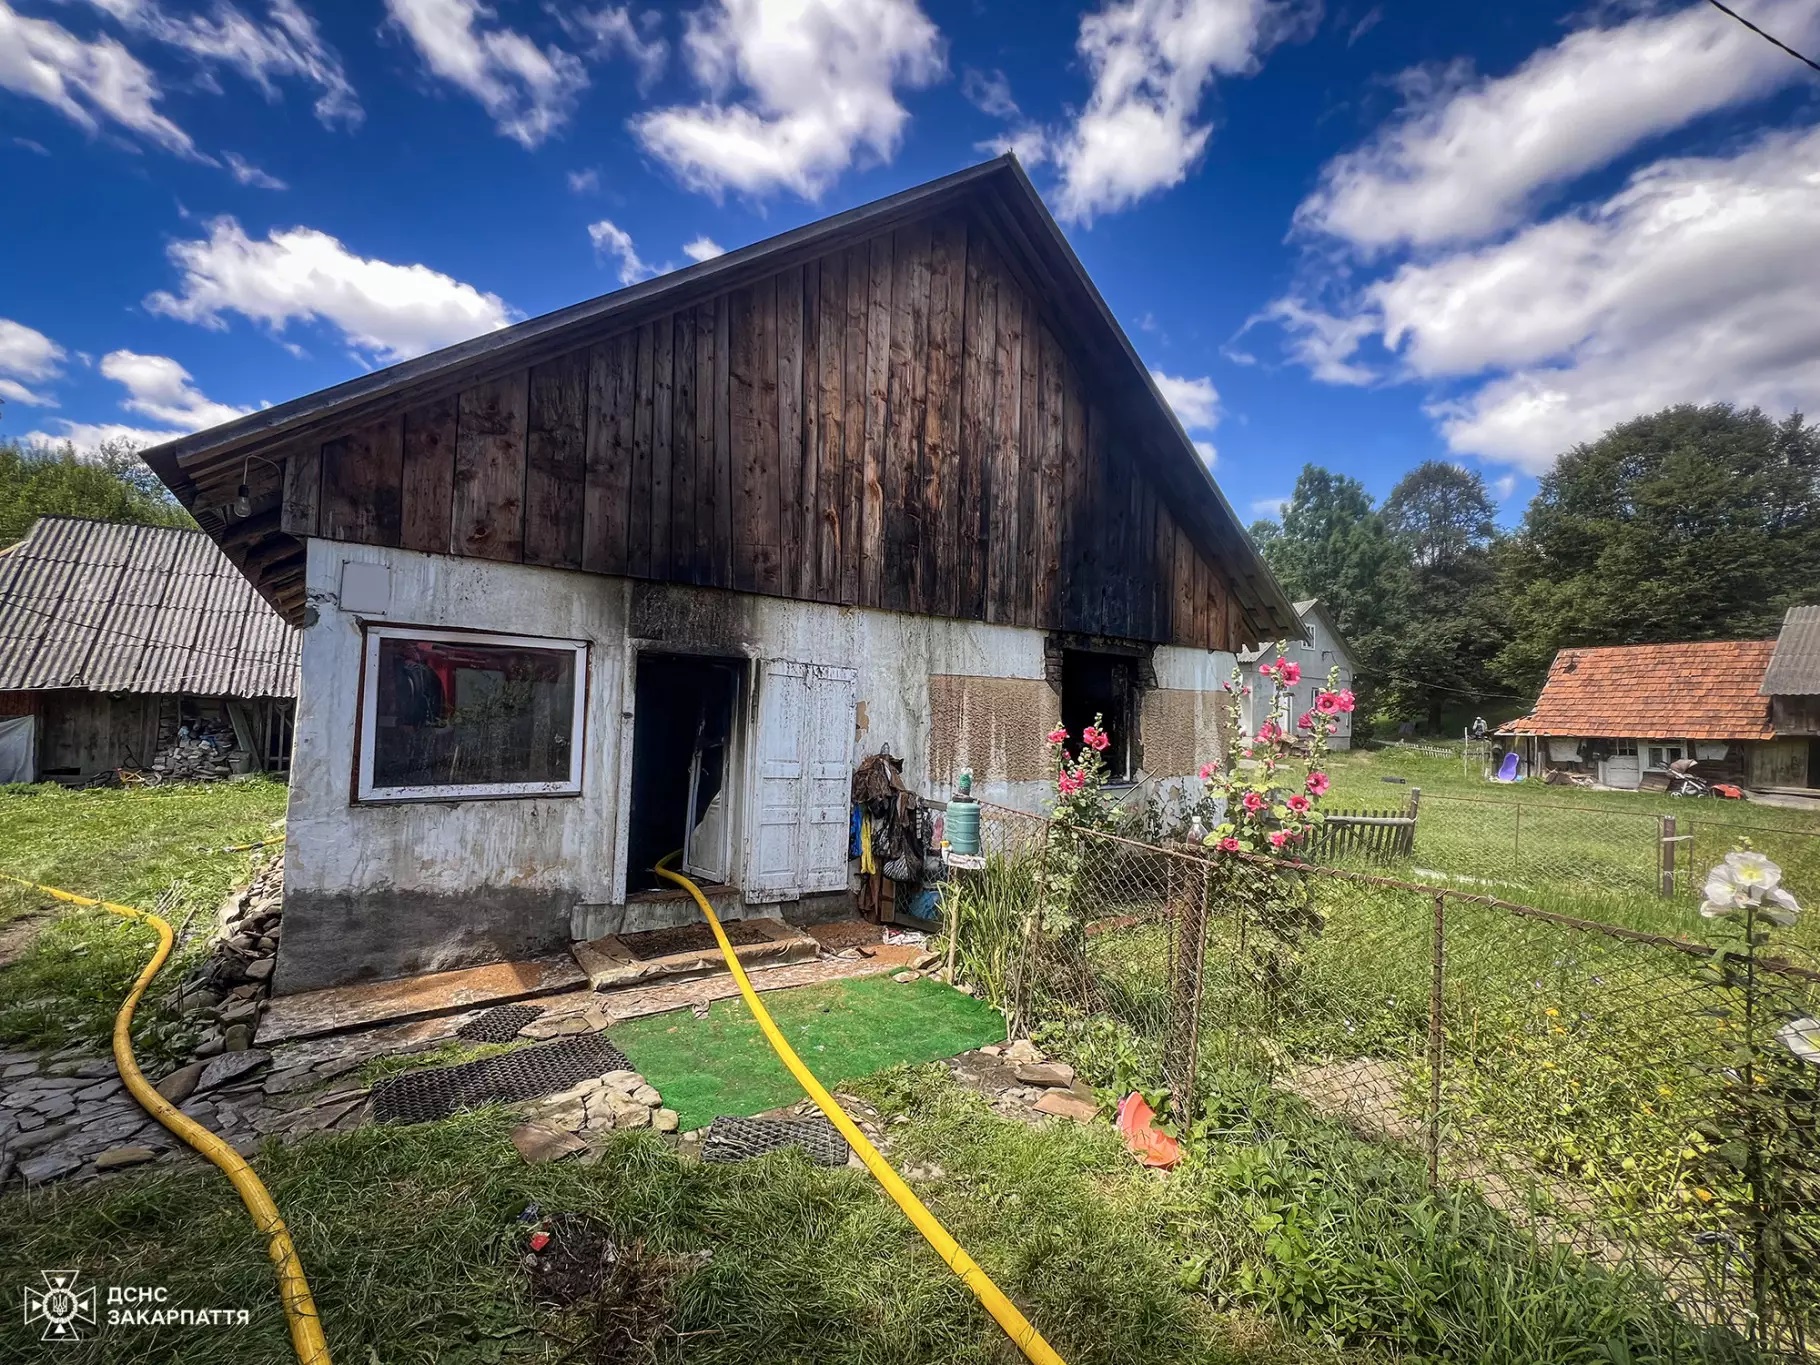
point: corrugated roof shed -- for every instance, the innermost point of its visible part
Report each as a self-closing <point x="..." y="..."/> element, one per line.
<point x="1706" y="690"/>
<point x="113" y="608"/>
<point x="1794" y="669"/>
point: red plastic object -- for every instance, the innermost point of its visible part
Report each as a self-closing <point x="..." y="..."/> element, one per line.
<point x="1149" y="1144"/>
<point x="539" y="1240"/>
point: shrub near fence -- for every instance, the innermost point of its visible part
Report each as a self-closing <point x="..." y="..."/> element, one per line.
<point x="1565" y="1074"/>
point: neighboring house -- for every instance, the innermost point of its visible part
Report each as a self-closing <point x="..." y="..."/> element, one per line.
<point x="1792" y="683"/>
<point x="1319" y="651"/>
<point x="1623" y="713"/>
<point x="137" y="646"/>
<point x="656" y="571"/>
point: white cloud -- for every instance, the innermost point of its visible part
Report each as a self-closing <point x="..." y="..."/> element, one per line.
<point x="87" y="82"/>
<point x="610" y="240"/>
<point x="287" y="46"/>
<point x="1209" y="456"/>
<point x="703" y="248"/>
<point x="159" y="388"/>
<point x="611" y="29"/>
<point x="1503" y="486"/>
<point x="1196" y="401"/>
<point x="1467" y="156"/>
<point x="529" y="91"/>
<point x="27" y="356"/>
<point x="1269" y="507"/>
<point x="385" y="311"/>
<point x="88" y="437"/>
<point x="584" y="182"/>
<point x="989" y="92"/>
<point x="820" y="82"/>
<point x="247" y="173"/>
<point x="1152" y="61"/>
<point x="1692" y="283"/>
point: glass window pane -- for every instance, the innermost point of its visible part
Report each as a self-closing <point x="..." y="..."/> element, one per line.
<point x="453" y="714"/>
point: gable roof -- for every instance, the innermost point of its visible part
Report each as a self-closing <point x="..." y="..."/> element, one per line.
<point x="115" y="608"/>
<point x="1705" y="690"/>
<point x="1303" y="609"/>
<point x="205" y="469"/>
<point x="1794" y="668"/>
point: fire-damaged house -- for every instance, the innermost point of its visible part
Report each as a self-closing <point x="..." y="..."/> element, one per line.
<point x="137" y="647"/>
<point x="656" y="571"/>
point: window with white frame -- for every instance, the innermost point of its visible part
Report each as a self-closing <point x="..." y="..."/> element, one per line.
<point x="450" y="715"/>
<point x="1664" y="752"/>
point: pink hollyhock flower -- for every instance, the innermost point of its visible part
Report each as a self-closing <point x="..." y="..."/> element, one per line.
<point x="1253" y="802"/>
<point x="1057" y="736"/>
<point x="1068" y="782"/>
<point x="1096" y="738"/>
<point x="1290" y="673"/>
<point x="1346" y="700"/>
<point x="1317" y="784"/>
<point x="1229" y="845"/>
<point x="1278" y="838"/>
<point x="1245" y="691"/>
<point x="1327" y="703"/>
<point x="1247" y="753"/>
<point x="1269" y="731"/>
<point x="1305" y="721"/>
<point x="1268" y="671"/>
<point x="1206" y="772"/>
<point x="1298" y="803"/>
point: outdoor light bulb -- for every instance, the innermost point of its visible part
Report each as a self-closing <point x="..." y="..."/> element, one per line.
<point x="243" y="502"/>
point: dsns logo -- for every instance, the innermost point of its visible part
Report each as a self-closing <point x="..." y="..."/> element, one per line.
<point x="60" y="1306"/>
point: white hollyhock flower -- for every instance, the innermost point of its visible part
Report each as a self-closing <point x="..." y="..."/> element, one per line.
<point x="1802" y="1037"/>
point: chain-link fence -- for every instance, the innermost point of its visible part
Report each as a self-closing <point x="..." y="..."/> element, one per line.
<point x="1608" y="1091"/>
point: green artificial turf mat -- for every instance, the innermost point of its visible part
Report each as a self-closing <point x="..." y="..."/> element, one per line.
<point x="845" y="1029"/>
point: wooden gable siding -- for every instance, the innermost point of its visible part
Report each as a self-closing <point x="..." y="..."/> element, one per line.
<point x="893" y="424"/>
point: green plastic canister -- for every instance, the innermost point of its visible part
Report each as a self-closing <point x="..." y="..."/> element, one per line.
<point x="962" y="825"/>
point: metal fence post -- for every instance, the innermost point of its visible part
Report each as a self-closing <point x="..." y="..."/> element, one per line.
<point x="1182" y="1060"/>
<point x="1665" y="858"/>
<point x="1437" y="1036"/>
<point x="1415" y="810"/>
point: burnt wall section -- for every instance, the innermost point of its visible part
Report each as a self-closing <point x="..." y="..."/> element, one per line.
<point x="898" y="423"/>
<point x="993" y="726"/>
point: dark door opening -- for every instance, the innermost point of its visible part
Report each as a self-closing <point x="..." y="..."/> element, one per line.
<point x="1813" y="763"/>
<point x="1104" y="685"/>
<point x="682" y="732"/>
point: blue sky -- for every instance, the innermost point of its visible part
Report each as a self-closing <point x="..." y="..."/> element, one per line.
<point x="1357" y="234"/>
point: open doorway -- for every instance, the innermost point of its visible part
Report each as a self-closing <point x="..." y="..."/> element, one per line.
<point x="1104" y="685"/>
<point x="682" y="789"/>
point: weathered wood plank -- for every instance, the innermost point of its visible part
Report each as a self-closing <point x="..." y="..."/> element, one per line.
<point x="663" y="400"/>
<point x="853" y="420"/>
<point x="362" y="477"/>
<point x="608" y="494"/>
<point x="979" y="431"/>
<point x="904" y="468"/>
<point x="638" y="524"/>
<point x="1052" y="463"/>
<point x="302" y="490"/>
<point x="939" y="558"/>
<point x="710" y="402"/>
<point x="1077" y="525"/>
<point x="796" y="477"/>
<point x="1028" y="590"/>
<point x="880" y="291"/>
<point x="490" y="469"/>
<point x="824" y="319"/>
<point x="1001" y="478"/>
<point x="427" y="487"/>
<point x="686" y="564"/>
<point x="556" y="462"/>
<point x="723" y="445"/>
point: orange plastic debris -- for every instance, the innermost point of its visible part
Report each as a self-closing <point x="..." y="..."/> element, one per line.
<point x="1148" y="1143"/>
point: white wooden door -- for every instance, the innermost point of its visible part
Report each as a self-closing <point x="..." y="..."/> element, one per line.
<point x="801" y="781"/>
<point x="829" y="790"/>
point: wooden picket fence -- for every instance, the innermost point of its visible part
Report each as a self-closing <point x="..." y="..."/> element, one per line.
<point x="1378" y="836"/>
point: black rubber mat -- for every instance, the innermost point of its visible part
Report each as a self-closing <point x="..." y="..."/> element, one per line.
<point x="499" y="1024"/>
<point x="736" y="1139"/>
<point x="419" y="1096"/>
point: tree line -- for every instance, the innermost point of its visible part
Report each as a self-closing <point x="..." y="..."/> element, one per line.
<point x="109" y="484"/>
<point x="1693" y="523"/>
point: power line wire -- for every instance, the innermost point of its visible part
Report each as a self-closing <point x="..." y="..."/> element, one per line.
<point x="1767" y="37"/>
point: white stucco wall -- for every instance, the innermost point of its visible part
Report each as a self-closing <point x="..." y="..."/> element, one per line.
<point x="422" y="885"/>
<point x="1317" y="657"/>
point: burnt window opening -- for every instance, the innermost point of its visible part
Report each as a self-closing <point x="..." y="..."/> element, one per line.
<point x="1105" y="685"/>
<point x="682" y="736"/>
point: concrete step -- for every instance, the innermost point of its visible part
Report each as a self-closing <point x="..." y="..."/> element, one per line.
<point x="618" y="960"/>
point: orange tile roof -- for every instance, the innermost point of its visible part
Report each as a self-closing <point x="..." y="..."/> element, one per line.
<point x="1686" y="691"/>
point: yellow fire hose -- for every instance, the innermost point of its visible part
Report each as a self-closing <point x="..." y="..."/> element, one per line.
<point x="1004" y="1312"/>
<point x="293" y="1289"/>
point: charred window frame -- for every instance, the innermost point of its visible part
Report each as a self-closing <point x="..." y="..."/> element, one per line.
<point x="1093" y="679"/>
<point x="450" y="715"/>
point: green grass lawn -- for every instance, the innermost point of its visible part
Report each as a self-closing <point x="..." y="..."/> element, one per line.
<point x="155" y="847"/>
<point x="723" y="1065"/>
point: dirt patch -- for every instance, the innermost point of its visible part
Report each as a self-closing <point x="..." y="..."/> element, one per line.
<point x="620" y="1293"/>
<point x="690" y="938"/>
<point x="839" y="934"/>
<point x="16" y="936"/>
